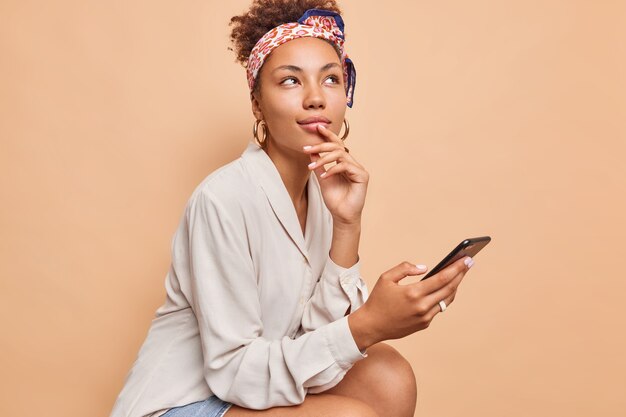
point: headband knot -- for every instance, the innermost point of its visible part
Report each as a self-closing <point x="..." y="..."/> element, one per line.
<point x="315" y="23"/>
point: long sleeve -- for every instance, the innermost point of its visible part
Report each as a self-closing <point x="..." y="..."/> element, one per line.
<point x="239" y="365"/>
<point x="337" y="291"/>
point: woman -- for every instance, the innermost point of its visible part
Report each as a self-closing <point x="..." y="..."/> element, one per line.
<point x="266" y="312"/>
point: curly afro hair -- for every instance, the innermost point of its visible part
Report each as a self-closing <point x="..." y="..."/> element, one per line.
<point x="265" y="15"/>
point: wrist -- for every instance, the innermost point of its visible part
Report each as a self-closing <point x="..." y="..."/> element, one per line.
<point x="347" y="225"/>
<point x="362" y="329"/>
<point x="344" y="247"/>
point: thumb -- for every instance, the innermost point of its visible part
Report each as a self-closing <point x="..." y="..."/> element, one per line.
<point x="403" y="270"/>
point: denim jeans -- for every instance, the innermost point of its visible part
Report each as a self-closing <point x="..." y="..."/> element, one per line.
<point x="211" y="407"/>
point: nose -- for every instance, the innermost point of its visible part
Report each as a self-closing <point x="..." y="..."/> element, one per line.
<point x="314" y="97"/>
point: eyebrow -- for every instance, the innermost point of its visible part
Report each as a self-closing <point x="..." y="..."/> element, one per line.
<point x="295" y="68"/>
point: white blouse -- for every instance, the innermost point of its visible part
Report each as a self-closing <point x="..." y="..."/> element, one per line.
<point x="254" y="311"/>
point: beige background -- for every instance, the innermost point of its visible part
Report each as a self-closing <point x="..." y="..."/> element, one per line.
<point x="504" y="118"/>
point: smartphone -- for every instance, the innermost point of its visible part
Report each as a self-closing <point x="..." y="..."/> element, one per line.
<point x="468" y="247"/>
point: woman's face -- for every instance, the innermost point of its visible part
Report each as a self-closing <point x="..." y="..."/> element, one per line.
<point x="301" y="86"/>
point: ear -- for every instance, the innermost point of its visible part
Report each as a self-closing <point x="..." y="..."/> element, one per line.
<point x="256" y="106"/>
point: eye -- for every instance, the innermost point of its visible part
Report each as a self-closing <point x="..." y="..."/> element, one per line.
<point x="294" y="79"/>
<point x="334" y="79"/>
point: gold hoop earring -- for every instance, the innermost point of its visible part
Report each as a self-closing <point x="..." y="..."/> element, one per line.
<point x="255" y="132"/>
<point x="345" y="134"/>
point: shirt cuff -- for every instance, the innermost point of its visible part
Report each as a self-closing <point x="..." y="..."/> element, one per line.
<point x="341" y="275"/>
<point x="341" y="343"/>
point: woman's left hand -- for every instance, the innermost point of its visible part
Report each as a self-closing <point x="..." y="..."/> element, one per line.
<point x="343" y="185"/>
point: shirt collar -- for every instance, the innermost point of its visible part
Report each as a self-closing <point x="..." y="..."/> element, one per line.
<point x="272" y="184"/>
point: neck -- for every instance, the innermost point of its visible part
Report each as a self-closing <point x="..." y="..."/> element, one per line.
<point x="293" y="170"/>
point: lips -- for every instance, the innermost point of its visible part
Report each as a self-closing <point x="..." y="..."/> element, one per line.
<point x="310" y="124"/>
<point x="315" y="119"/>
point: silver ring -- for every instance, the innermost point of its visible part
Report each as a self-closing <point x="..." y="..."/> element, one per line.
<point x="443" y="306"/>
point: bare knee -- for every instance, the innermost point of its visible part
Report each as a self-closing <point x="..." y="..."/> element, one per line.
<point x="391" y="380"/>
<point x="391" y="369"/>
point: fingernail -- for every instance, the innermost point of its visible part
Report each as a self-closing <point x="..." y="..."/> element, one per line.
<point x="307" y="147"/>
<point x="322" y="126"/>
<point x="312" y="164"/>
<point x="421" y="267"/>
<point x="323" y="174"/>
<point x="469" y="262"/>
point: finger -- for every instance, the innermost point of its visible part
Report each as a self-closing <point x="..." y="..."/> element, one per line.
<point x="403" y="270"/>
<point x="328" y="158"/>
<point x="320" y="172"/>
<point x="328" y="134"/>
<point x="425" y="303"/>
<point x="354" y="173"/>
<point x="314" y="153"/>
<point x="443" y="277"/>
<point x="446" y="293"/>
<point x="323" y="147"/>
<point x="339" y="156"/>
<point x="316" y="166"/>
<point x="314" y="157"/>
<point x="330" y="147"/>
<point x="436" y="308"/>
<point x="432" y="312"/>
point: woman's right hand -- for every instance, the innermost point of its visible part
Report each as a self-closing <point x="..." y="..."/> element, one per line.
<point x="393" y="310"/>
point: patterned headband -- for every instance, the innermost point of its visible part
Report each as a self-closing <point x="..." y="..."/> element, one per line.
<point x="316" y="23"/>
